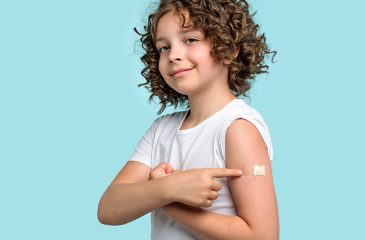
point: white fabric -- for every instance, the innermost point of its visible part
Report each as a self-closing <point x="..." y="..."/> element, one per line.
<point x="202" y="146"/>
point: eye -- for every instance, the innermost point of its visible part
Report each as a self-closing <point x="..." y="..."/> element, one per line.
<point x="190" y="40"/>
<point x="162" y="49"/>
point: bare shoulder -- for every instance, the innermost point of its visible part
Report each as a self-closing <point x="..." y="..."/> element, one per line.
<point x="243" y="131"/>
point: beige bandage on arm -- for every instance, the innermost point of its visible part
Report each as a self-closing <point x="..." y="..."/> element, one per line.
<point x="259" y="170"/>
<point x="256" y="171"/>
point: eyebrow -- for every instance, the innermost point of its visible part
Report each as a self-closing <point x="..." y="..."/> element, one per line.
<point x="183" y="31"/>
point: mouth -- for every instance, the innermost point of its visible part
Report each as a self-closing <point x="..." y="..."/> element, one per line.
<point x="181" y="72"/>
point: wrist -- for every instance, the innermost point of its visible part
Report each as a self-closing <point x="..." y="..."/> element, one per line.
<point x="166" y="189"/>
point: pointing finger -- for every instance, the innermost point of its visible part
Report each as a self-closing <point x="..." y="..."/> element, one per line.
<point x="224" y="172"/>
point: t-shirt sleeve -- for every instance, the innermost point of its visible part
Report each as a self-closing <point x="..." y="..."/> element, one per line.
<point x="143" y="150"/>
<point x="256" y="119"/>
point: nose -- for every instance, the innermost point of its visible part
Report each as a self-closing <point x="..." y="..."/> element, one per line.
<point x="176" y="54"/>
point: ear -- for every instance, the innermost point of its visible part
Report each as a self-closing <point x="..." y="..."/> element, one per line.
<point x="234" y="54"/>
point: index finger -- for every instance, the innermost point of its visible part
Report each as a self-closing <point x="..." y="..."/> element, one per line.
<point x="224" y="172"/>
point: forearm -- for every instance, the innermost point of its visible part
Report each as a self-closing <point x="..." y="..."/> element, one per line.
<point x="209" y="225"/>
<point x="126" y="202"/>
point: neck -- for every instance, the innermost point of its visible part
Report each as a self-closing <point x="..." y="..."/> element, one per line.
<point x="206" y="103"/>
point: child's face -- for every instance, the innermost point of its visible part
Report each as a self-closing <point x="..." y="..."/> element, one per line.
<point x="185" y="60"/>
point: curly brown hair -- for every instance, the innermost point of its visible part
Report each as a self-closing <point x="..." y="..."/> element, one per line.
<point x="228" y="25"/>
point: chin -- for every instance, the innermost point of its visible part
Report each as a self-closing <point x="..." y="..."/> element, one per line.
<point x="186" y="91"/>
<point x="185" y="88"/>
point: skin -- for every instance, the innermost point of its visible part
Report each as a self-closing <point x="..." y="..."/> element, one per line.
<point x="133" y="193"/>
<point x="183" y="195"/>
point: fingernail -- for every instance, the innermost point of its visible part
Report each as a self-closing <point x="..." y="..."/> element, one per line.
<point x="239" y="172"/>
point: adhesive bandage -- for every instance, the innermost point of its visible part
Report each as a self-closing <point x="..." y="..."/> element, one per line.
<point x="255" y="171"/>
<point x="259" y="170"/>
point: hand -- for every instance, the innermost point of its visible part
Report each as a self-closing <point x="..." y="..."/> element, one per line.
<point x="195" y="187"/>
<point x="162" y="170"/>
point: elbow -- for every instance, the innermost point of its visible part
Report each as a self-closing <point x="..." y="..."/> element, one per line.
<point x="258" y="231"/>
<point x="100" y="218"/>
<point x="105" y="216"/>
<point x="272" y="234"/>
<point x="101" y="214"/>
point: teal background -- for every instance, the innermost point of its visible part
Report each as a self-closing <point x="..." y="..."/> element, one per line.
<point x="71" y="114"/>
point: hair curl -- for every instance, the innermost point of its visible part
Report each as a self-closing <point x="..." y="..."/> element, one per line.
<point x="228" y="25"/>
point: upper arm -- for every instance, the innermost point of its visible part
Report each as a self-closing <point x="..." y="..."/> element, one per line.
<point x="254" y="197"/>
<point x="132" y="172"/>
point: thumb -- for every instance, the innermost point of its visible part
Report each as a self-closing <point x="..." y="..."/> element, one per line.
<point x="169" y="169"/>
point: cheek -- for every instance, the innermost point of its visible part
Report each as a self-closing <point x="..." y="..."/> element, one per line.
<point x="201" y="56"/>
<point x="162" y="67"/>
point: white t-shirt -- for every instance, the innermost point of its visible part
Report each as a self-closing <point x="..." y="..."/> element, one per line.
<point x="202" y="146"/>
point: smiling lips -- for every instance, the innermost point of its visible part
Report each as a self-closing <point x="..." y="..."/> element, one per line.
<point x="179" y="72"/>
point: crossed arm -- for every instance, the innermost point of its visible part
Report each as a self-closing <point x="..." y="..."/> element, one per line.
<point x="209" y="225"/>
<point x="132" y="194"/>
<point x="254" y="197"/>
